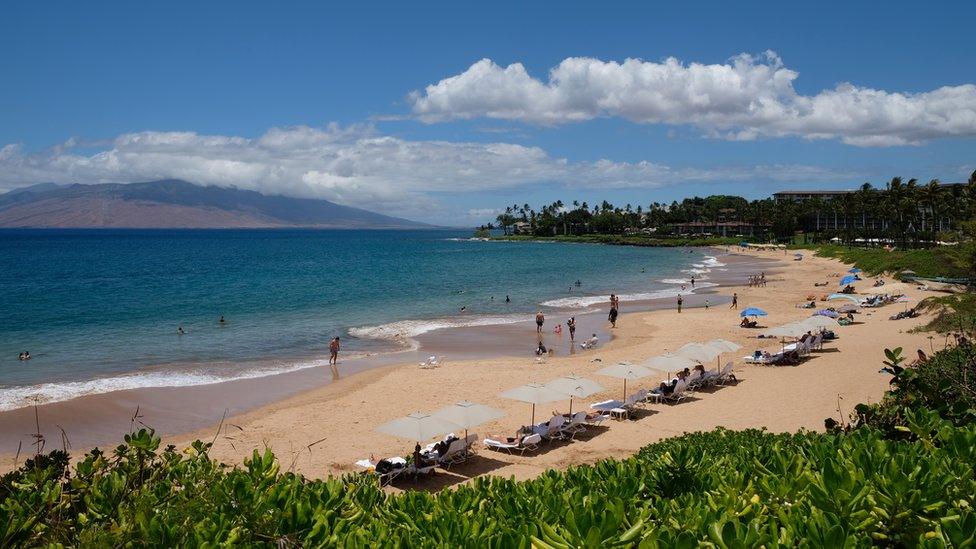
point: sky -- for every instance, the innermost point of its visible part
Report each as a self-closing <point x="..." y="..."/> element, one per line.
<point x="446" y="112"/>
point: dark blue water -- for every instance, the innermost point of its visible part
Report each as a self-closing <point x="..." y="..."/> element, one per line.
<point x="99" y="310"/>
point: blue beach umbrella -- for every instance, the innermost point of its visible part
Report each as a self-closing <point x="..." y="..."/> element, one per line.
<point x="848" y="297"/>
<point x="854" y="270"/>
<point x="752" y="311"/>
<point x="848" y="279"/>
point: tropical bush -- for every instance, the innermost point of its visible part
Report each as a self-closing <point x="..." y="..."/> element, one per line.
<point x="632" y="240"/>
<point x="953" y="313"/>
<point x="719" y="489"/>
<point x="944" y="383"/>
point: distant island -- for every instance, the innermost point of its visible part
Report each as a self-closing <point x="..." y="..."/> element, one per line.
<point x="177" y="204"/>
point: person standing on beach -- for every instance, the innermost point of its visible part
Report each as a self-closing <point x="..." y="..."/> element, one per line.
<point x="334" y="351"/>
<point x="540" y="319"/>
<point x="572" y="328"/>
<point x="680" y="301"/>
<point x="706" y="304"/>
<point x="614" y="305"/>
<point x="735" y="301"/>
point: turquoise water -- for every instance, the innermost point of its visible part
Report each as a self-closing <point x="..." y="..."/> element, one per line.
<point x="99" y="310"/>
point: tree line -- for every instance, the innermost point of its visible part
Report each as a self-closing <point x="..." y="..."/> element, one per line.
<point x="906" y="212"/>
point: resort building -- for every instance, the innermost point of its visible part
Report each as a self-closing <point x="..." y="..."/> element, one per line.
<point x="719" y="228"/>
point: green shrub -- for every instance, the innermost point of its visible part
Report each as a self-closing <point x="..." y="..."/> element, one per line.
<point x="720" y="489"/>
<point x="928" y="262"/>
<point x="944" y="383"/>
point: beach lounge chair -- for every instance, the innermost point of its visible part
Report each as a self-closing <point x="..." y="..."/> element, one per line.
<point x="576" y="424"/>
<point x="596" y="419"/>
<point x="397" y="466"/>
<point x="679" y="393"/>
<point x="554" y="429"/>
<point x="528" y="443"/>
<point x="725" y="375"/>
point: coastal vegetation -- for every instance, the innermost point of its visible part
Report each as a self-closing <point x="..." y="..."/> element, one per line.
<point x="629" y="240"/>
<point x="908" y="481"/>
<point x="906" y="213"/>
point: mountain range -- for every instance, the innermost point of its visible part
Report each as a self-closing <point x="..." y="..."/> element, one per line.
<point x="174" y="203"/>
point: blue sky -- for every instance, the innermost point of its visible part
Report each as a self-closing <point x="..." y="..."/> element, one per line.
<point x="314" y="100"/>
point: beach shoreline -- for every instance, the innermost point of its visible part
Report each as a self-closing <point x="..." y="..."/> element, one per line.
<point x="97" y="419"/>
<point x="323" y="430"/>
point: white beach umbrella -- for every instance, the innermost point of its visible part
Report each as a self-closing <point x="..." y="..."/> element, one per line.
<point x="669" y="362"/>
<point x="467" y="414"/>
<point x="418" y="426"/>
<point x="818" y="322"/>
<point x="724" y="345"/>
<point x="575" y="386"/>
<point x="847" y="308"/>
<point x="627" y="371"/>
<point x="533" y="393"/>
<point x="698" y="351"/>
<point x="788" y="330"/>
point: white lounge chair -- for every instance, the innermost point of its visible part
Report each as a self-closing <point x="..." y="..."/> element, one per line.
<point x="400" y="467"/>
<point x="554" y="428"/>
<point x="725" y="375"/>
<point x="528" y="443"/>
<point x="596" y="419"/>
<point x="576" y="424"/>
<point x="678" y="394"/>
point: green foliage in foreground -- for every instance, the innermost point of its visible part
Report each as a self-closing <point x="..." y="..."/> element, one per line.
<point x="721" y="489"/>
<point x="927" y="262"/>
<point x="627" y="240"/>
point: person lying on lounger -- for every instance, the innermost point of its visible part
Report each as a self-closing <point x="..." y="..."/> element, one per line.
<point x="517" y="439"/>
<point x="590" y="416"/>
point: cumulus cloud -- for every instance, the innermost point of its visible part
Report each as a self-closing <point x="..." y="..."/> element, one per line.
<point x="746" y="98"/>
<point x="353" y="165"/>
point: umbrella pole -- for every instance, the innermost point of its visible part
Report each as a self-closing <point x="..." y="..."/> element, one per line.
<point x="625" y="390"/>
<point x="533" y="415"/>
<point x="570" y="406"/>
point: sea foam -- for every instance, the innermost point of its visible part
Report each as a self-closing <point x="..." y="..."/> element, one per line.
<point x="45" y="393"/>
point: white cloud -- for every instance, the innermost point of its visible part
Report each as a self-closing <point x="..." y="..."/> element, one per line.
<point x="746" y="98"/>
<point x="354" y="165"/>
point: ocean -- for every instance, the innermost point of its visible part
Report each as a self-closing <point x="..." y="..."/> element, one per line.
<point x="99" y="310"/>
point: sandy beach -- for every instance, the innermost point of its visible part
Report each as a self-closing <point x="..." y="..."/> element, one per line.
<point x="323" y="431"/>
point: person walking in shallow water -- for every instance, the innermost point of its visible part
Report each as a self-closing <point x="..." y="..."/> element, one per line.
<point x="334" y="351"/>
<point x="572" y="328"/>
<point x="540" y="319"/>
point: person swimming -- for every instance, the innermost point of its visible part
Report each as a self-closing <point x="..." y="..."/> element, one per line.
<point x="508" y="299"/>
<point x="180" y="330"/>
<point x="222" y="321"/>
